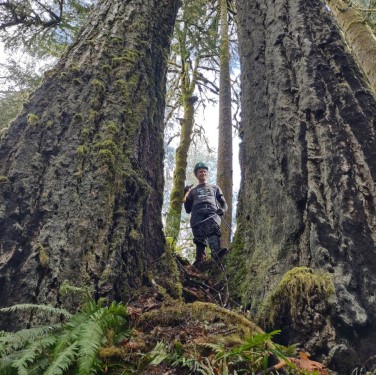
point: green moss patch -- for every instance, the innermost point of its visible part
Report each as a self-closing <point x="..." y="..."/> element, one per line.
<point x="297" y="290"/>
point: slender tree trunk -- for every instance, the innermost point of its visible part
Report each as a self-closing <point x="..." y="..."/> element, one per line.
<point x="359" y="36"/>
<point x="308" y="162"/>
<point x="188" y="76"/>
<point x="177" y="193"/>
<point x="224" y="163"/>
<point x="81" y="173"/>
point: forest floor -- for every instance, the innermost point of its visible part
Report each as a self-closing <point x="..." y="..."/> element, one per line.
<point x="202" y="326"/>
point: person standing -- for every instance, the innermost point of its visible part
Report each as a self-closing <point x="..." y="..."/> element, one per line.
<point x="206" y="204"/>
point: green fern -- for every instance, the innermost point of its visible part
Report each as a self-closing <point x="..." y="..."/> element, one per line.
<point x="159" y="354"/>
<point x="61" y="348"/>
<point x="25" y="350"/>
<point x="33" y="351"/>
<point x="11" y="342"/>
<point x="43" y="308"/>
<point x="252" y="355"/>
<point x="39" y="367"/>
<point x="93" y="332"/>
<point x="6" y="364"/>
<point x="84" y="292"/>
<point x="64" y="359"/>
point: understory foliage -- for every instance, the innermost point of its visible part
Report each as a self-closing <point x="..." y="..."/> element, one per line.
<point x="103" y="339"/>
<point x="250" y="357"/>
<point x="70" y="347"/>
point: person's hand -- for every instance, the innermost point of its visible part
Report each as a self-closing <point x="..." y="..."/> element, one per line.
<point x="220" y="211"/>
<point x="187" y="188"/>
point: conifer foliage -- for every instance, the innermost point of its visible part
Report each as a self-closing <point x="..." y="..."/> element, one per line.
<point x="41" y="22"/>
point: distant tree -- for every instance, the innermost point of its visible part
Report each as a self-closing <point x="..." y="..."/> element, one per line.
<point x="193" y="51"/>
<point x="16" y="82"/>
<point x="41" y="24"/>
<point x="224" y="163"/>
<point x="37" y="32"/>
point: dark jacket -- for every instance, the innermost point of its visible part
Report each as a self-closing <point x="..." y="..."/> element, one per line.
<point x="203" y="201"/>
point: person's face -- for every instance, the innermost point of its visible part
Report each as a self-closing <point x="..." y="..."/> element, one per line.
<point x="202" y="175"/>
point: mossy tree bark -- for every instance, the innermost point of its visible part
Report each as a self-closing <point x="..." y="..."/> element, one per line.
<point x="359" y="36"/>
<point x="224" y="162"/>
<point x="187" y="87"/>
<point x="308" y="162"/>
<point x="81" y="173"/>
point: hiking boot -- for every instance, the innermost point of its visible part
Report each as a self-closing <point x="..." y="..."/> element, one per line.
<point x="219" y="254"/>
<point x="198" y="262"/>
<point x="200" y="254"/>
<point x="214" y="243"/>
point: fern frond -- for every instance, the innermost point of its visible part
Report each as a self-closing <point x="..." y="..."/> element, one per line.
<point x="159" y="353"/>
<point x="91" y="336"/>
<point x="7" y="369"/>
<point x="6" y="362"/>
<point x="38" y="367"/>
<point x="13" y="341"/>
<point x="89" y="342"/>
<point x="32" y="353"/>
<point x="255" y="341"/>
<point x="74" y="344"/>
<point x="72" y="328"/>
<point x="215" y="347"/>
<point x="94" y="331"/>
<point x="92" y="306"/>
<point x="66" y="288"/>
<point x="71" y="331"/>
<point x="21" y="363"/>
<point x="63" y="360"/>
<point x="31" y="307"/>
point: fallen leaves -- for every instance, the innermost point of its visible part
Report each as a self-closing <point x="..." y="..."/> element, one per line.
<point x="304" y="363"/>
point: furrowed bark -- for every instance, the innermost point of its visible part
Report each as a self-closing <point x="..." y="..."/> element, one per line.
<point x="308" y="162"/>
<point x="82" y="166"/>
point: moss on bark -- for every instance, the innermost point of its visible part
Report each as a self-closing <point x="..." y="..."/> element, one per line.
<point x="89" y="187"/>
<point x="299" y="288"/>
<point x="176" y="198"/>
<point x="308" y="162"/>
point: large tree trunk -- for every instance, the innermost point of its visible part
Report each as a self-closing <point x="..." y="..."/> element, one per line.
<point x="308" y="162"/>
<point x="81" y="174"/>
<point x="224" y="163"/>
